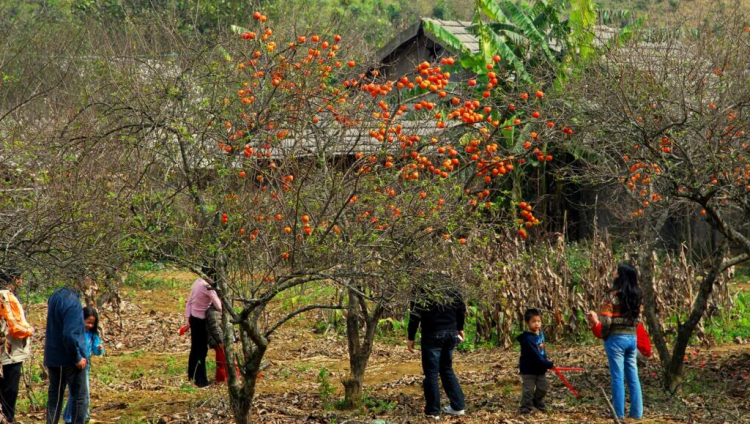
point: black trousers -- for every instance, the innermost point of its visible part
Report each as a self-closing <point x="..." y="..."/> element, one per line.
<point x="75" y="380"/>
<point x="9" y="389"/>
<point x="198" y="352"/>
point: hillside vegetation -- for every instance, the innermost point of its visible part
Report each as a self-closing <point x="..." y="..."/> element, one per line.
<point x="670" y="11"/>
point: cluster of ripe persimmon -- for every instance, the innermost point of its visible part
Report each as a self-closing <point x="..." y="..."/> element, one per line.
<point x="527" y="219"/>
<point x="307" y="87"/>
<point x="640" y="182"/>
<point x="734" y="168"/>
<point x="479" y="116"/>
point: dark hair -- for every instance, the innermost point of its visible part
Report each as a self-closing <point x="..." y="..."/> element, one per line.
<point x="91" y="312"/>
<point x="628" y="291"/>
<point x="9" y="273"/>
<point x="531" y="313"/>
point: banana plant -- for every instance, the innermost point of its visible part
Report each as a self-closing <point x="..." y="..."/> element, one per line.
<point x="524" y="35"/>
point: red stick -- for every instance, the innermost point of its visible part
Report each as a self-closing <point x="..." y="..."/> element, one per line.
<point x="565" y="380"/>
<point x="569" y="368"/>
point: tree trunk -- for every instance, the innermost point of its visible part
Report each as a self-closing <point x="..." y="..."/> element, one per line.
<point x="241" y="402"/>
<point x="241" y="388"/>
<point x="242" y="392"/>
<point x="672" y="364"/>
<point x="354" y="382"/>
<point x="646" y="266"/>
<point x="360" y="348"/>
<point x="673" y="372"/>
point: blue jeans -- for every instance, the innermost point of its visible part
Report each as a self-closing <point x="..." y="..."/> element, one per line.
<point x="68" y="414"/>
<point x="437" y="359"/>
<point x="621" y="353"/>
<point x="75" y="380"/>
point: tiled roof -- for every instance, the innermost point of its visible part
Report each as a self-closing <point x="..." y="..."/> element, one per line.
<point x="460" y="30"/>
<point x="337" y="141"/>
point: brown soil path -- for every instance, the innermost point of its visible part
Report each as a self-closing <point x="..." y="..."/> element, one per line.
<point x="141" y="379"/>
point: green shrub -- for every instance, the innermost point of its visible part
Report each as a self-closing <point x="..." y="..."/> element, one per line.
<point x="325" y="389"/>
<point x="735" y="323"/>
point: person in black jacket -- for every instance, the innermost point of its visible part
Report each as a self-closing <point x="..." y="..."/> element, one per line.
<point x="442" y="328"/>
<point x="533" y="363"/>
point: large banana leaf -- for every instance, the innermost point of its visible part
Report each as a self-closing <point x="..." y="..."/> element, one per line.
<point x="547" y="20"/>
<point x="494" y="44"/>
<point x="446" y="37"/>
<point x="511" y="34"/>
<point x="526" y="26"/>
<point x="492" y="10"/>
<point x="581" y="21"/>
<point x="238" y="29"/>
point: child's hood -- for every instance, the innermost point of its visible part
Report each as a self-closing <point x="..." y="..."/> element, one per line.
<point x="526" y="334"/>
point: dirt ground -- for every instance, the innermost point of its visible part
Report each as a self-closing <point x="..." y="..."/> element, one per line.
<point x="142" y="377"/>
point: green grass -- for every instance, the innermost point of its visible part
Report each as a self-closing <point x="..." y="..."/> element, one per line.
<point x="188" y="387"/>
<point x="23" y="405"/>
<point x="292" y="299"/>
<point x="147" y="266"/>
<point x="735" y="323"/>
<point x="137" y="373"/>
<point x="107" y="373"/>
<point x="303" y="367"/>
<point x="136" y="281"/>
<point x="742" y="275"/>
<point x="39" y="295"/>
<point x="326" y="389"/>
<point x="173" y="366"/>
<point x="135" y="355"/>
<point x="378" y="406"/>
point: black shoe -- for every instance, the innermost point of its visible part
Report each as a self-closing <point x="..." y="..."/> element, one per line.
<point x="525" y="411"/>
<point x="539" y="404"/>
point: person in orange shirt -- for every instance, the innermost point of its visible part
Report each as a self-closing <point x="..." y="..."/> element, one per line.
<point x="15" y="333"/>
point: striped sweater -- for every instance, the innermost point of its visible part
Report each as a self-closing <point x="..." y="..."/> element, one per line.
<point x="612" y="320"/>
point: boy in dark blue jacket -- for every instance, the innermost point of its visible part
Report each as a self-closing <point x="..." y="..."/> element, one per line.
<point x="534" y="363"/>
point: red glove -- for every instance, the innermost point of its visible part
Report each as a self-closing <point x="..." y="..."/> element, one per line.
<point x="183" y="329"/>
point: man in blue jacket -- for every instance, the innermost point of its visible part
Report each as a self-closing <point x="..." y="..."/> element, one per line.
<point x="65" y="355"/>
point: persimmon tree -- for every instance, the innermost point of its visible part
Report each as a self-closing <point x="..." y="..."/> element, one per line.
<point x="274" y="164"/>
<point x="667" y="124"/>
<point x="495" y="133"/>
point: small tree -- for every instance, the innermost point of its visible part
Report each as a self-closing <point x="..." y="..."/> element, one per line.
<point x="667" y="122"/>
<point x="60" y="218"/>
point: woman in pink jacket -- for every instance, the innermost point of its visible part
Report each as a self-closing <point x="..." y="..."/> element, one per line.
<point x="201" y="298"/>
